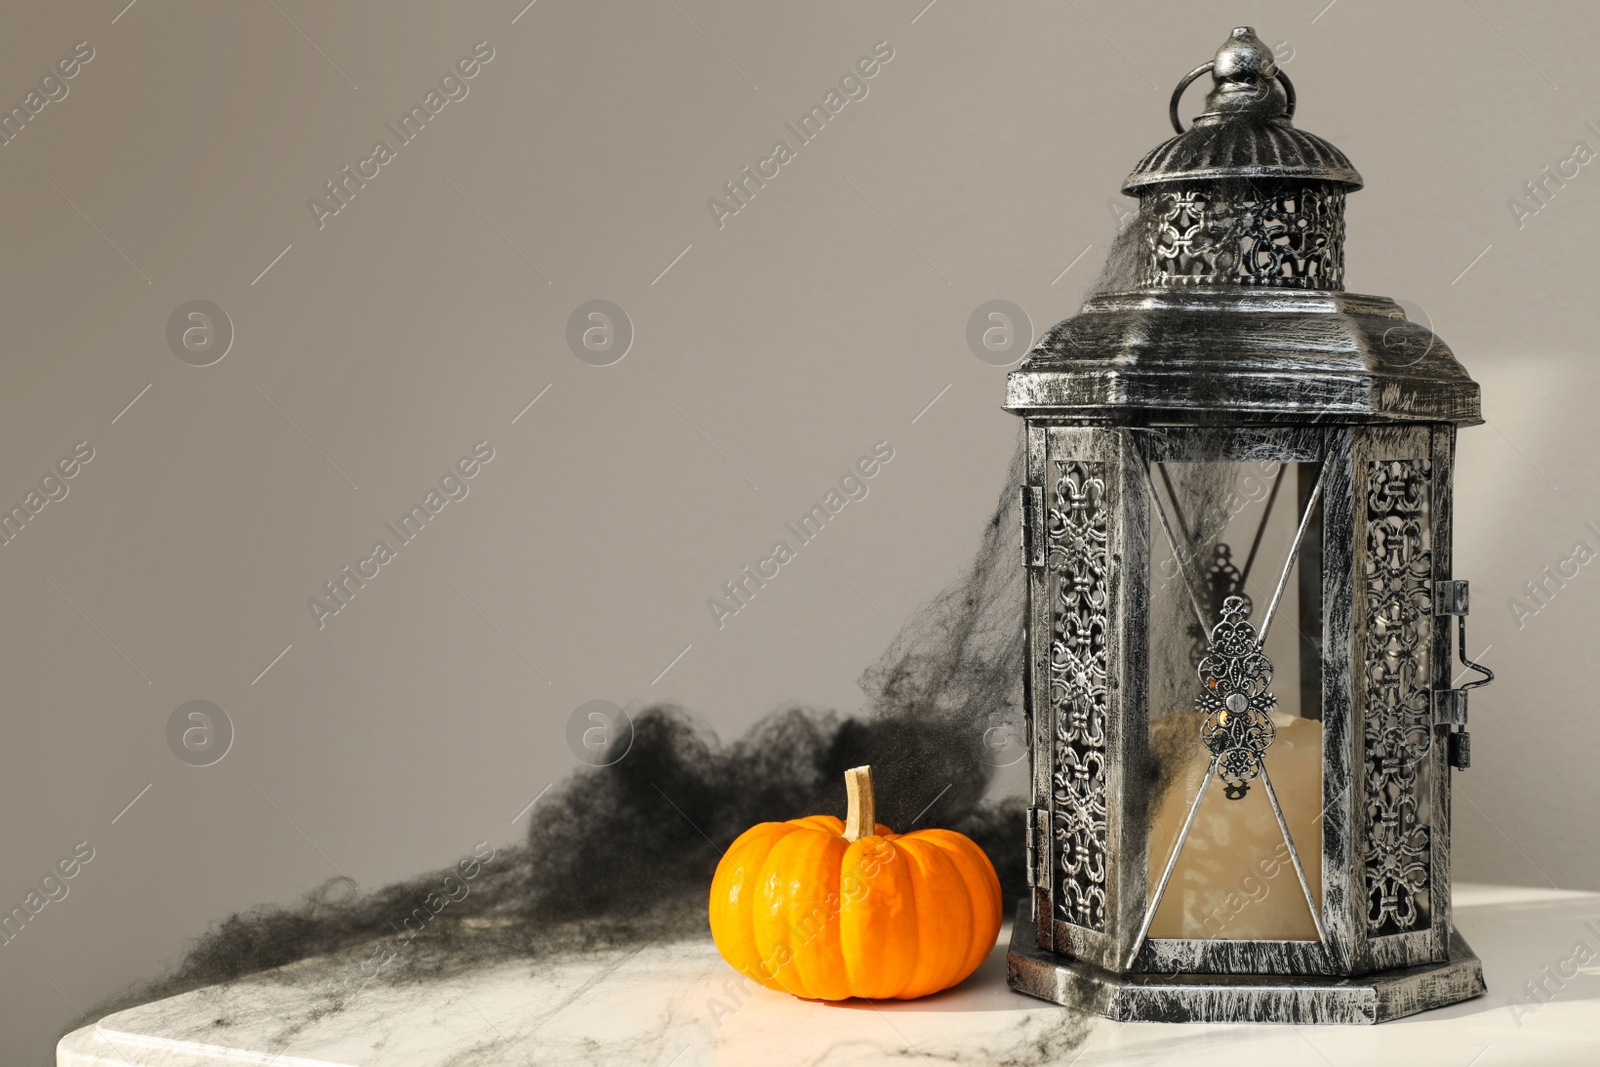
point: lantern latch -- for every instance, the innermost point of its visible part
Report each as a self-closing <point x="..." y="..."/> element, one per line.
<point x="1450" y="705"/>
<point x="1032" y="508"/>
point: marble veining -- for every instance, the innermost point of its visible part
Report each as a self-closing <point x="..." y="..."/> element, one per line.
<point x="676" y="1004"/>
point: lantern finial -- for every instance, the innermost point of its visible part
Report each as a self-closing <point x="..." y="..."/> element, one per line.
<point x="1246" y="81"/>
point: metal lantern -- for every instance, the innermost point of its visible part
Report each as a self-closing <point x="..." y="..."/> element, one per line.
<point x="1236" y="524"/>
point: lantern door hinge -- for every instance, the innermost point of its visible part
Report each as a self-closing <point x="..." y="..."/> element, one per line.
<point x="1450" y="597"/>
<point x="1031" y="498"/>
<point x="1038" y="848"/>
<point x="1449" y="707"/>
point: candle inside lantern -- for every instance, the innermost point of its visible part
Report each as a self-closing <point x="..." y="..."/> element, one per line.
<point x="1234" y="879"/>
<point x="1248" y="682"/>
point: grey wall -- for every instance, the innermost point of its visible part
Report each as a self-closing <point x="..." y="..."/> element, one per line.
<point x="824" y="317"/>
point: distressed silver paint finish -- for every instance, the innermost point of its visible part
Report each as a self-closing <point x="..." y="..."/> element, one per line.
<point x="1228" y="353"/>
<point x="1239" y="345"/>
<point x="1075" y="555"/>
<point x="1084" y="801"/>
<point x="1398" y="726"/>
<point x="1165" y="996"/>
<point x="1286" y="237"/>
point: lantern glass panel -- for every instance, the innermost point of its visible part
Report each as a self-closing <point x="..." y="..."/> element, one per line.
<point x="1232" y="545"/>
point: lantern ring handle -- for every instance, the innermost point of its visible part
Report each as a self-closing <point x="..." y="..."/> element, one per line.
<point x="1188" y="79"/>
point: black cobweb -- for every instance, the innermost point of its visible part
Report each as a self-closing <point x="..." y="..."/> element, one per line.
<point x="622" y="856"/>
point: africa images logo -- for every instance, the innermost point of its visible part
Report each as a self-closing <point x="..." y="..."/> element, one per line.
<point x="852" y="86"/>
<point x="452" y="87"/>
<point x="341" y="590"/>
<point x="742" y="587"/>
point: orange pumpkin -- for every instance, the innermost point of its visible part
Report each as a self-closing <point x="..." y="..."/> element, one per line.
<point x="829" y="910"/>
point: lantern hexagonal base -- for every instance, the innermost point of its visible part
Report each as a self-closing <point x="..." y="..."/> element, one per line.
<point x="1221" y="998"/>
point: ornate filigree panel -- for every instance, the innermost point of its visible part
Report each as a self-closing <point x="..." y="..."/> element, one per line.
<point x="1076" y="560"/>
<point x="1290" y="238"/>
<point x="1398" y="727"/>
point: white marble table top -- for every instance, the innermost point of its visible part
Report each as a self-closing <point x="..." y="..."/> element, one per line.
<point x="679" y="1005"/>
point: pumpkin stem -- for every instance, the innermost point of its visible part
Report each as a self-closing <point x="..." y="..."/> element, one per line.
<point x="861" y="817"/>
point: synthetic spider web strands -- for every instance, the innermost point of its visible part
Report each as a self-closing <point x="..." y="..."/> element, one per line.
<point x="622" y="855"/>
<point x="1236" y="710"/>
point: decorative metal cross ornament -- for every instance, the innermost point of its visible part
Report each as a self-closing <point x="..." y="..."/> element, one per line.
<point x="1233" y="395"/>
<point x="1235" y="675"/>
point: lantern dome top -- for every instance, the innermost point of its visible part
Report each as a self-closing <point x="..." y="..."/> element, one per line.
<point x="1228" y="301"/>
<point x="1247" y="130"/>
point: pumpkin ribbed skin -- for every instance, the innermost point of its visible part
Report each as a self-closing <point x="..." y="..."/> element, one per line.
<point x="797" y="907"/>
